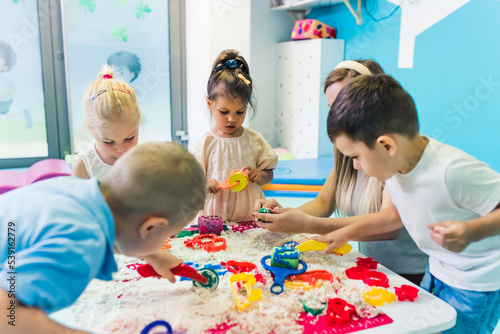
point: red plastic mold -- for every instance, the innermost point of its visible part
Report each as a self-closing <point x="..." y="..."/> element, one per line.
<point x="367" y="262"/>
<point x="312" y="276"/>
<point x="339" y="312"/>
<point x="406" y="292"/>
<point x="236" y="267"/>
<point x="369" y="277"/>
<point x="244" y="226"/>
<point x="209" y="242"/>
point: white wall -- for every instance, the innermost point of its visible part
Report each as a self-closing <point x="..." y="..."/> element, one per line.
<point x="245" y="25"/>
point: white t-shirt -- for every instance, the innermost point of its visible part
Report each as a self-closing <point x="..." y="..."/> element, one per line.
<point x="96" y="168"/>
<point x="219" y="157"/>
<point x="400" y="255"/>
<point x="448" y="184"/>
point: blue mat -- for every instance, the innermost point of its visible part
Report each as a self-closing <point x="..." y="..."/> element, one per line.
<point x="312" y="172"/>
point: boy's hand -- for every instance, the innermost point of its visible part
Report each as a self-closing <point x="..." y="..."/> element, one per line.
<point x="336" y="239"/>
<point x="213" y="186"/>
<point x="163" y="262"/>
<point x="286" y="220"/>
<point x="451" y="235"/>
<point x="253" y="174"/>
<point x="270" y="203"/>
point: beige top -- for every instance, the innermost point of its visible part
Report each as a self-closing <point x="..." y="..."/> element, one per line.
<point x="219" y="157"/>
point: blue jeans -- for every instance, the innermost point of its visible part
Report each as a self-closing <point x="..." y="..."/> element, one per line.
<point x="477" y="311"/>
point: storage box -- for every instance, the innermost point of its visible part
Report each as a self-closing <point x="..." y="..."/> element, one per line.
<point x="309" y="29"/>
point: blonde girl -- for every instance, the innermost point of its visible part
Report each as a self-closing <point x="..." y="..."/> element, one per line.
<point x="112" y="116"/>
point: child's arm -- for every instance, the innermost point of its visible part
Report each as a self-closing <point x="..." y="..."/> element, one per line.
<point x="259" y="176"/>
<point x="162" y="262"/>
<point x="457" y="235"/>
<point x="78" y="169"/>
<point x="322" y="206"/>
<point x="28" y="319"/>
<point x="213" y="186"/>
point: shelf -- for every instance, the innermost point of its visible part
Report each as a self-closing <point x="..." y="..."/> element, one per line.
<point x="302" y="7"/>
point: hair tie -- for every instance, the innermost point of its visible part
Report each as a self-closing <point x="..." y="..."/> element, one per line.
<point x="355" y="66"/>
<point x="245" y="80"/>
<point x="107" y="76"/>
<point x="230" y="63"/>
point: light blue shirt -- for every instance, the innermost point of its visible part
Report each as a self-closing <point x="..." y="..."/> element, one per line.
<point x="64" y="234"/>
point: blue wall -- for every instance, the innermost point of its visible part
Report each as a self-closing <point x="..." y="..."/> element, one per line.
<point x="455" y="79"/>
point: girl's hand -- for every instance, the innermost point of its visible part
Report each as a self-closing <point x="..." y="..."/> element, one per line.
<point x="270" y="203"/>
<point x="213" y="186"/>
<point x="286" y="220"/>
<point x="336" y="239"/>
<point x="163" y="262"/>
<point x="253" y="174"/>
<point x="451" y="235"/>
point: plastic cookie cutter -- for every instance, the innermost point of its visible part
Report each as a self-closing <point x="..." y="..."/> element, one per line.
<point x="281" y="273"/>
<point x="339" y="312"/>
<point x="313" y="245"/>
<point x="285" y="257"/>
<point x="264" y="210"/>
<point x="376" y="278"/>
<point x="314" y="311"/>
<point x="369" y="277"/>
<point x="157" y="323"/>
<point x="166" y="245"/>
<point x="247" y="280"/>
<point x="210" y="225"/>
<point x="237" y="181"/>
<point x="209" y="242"/>
<point x="378" y="296"/>
<point x="406" y="292"/>
<point x="366" y="262"/>
<point x="244" y="267"/>
<point x="205" y="277"/>
<point x="187" y="232"/>
<point x="290" y="244"/>
<point x="308" y="280"/>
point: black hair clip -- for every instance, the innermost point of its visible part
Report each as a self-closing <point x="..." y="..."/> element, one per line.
<point x="230" y="63"/>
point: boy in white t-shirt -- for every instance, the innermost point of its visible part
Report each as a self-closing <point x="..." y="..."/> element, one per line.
<point x="448" y="201"/>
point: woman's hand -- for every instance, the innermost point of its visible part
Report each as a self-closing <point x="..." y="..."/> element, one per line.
<point x="286" y="220"/>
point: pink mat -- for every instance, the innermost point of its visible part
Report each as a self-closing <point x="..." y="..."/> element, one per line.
<point x="44" y="169"/>
<point x="313" y="324"/>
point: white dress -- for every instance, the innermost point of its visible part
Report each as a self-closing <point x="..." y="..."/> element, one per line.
<point x="219" y="157"/>
<point x="96" y="168"/>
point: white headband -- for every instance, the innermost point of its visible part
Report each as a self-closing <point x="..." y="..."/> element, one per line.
<point x="353" y="65"/>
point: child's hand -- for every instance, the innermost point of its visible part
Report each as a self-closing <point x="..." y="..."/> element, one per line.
<point x="270" y="203"/>
<point x="336" y="239"/>
<point x="253" y="174"/>
<point x="451" y="235"/>
<point x="213" y="186"/>
<point x="286" y="220"/>
<point x="163" y="262"/>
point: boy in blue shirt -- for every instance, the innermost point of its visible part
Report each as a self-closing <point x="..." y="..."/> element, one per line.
<point x="61" y="233"/>
<point x="447" y="200"/>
